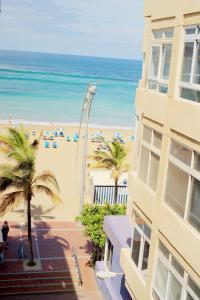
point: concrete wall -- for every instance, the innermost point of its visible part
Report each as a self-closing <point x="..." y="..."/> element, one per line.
<point x="159" y="9"/>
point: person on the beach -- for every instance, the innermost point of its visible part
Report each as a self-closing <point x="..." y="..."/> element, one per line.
<point x="5" y="230"/>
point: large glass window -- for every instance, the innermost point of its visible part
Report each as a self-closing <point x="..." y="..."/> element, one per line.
<point x="190" y="74"/>
<point x="144" y="161"/>
<point x="155" y="56"/>
<point x="171" y="281"/>
<point x="187" y="61"/>
<point x="176" y="189"/>
<point x="160" y="60"/>
<point x="182" y="192"/>
<point x="167" y="49"/>
<point x="194" y="209"/>
<point x="181" y="153"/>
<point x="150" y="157"/>
<point x="153" y="171"/>
<point x="141" y="244"/>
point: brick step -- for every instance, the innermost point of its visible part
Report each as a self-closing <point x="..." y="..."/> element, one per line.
<point x="38" y="281"/>
<point x="55" y="266"/>
<point x="41" y="274"/>
<point x="33" y="289"/>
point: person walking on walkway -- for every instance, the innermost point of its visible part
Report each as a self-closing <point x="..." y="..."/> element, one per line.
<point x="5" y="230"/>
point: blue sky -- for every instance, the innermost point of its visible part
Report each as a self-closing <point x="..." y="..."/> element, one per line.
<point x="108" y="28"/>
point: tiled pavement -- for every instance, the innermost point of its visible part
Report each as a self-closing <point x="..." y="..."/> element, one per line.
<point x="52" y="243"/>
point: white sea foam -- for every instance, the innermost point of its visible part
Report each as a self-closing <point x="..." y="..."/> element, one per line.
<point x="16" y="122"/>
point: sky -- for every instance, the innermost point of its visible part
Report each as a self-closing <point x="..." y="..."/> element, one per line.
<point x="105" y="28"/>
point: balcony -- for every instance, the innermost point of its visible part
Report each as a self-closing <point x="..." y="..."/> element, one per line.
<point x="112" y="285"/>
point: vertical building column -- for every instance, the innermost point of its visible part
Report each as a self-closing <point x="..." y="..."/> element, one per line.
<point x="176" y="59"/>
<point x="146" y="51"/>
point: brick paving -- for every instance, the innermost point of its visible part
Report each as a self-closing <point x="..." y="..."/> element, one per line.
<point x="52" y="244"/>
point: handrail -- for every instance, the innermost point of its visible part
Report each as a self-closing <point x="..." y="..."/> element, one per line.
<point x="103" y="194"/>
<point x="80" y="281"/>
<point x="111" y="186"/>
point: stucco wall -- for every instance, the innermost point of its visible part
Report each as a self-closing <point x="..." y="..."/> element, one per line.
<point x="173" y="117"/>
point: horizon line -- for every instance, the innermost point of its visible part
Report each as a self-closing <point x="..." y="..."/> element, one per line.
<point x="69" y="54"/>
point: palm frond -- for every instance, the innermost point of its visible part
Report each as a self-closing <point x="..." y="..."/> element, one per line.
<point x="46" y="177"/>
<point x="103" y="164"/>
<point x="39" y="188"/>
<point x="10" y="201"/>
<point x="6" y="168"/>
<point x="9" y="177"/>
<point x="17" y="148"/>
<point x="113" y="159"/>
<point x="13" y="138"/>
<point x="20" y="175"/>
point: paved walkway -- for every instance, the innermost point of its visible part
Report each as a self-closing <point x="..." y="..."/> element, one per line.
<point x="52" y="244"/>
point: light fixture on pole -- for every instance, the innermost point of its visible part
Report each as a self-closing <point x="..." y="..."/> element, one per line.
<point x="91" y="92"/>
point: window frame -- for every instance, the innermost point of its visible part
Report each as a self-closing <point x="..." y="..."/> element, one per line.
<point x="161" y="43"/>
<point x="144" y="238"/>
<point x="108" y="254"/>
<point x="152" y="149"/>
<point x="183" y="280"/>
<point x="191" y="172"/>
<point x="195" y="38"/>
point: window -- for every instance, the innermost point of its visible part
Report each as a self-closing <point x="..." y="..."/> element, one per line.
<point x="176" y="189"/>
<point x="171" y="281"/>
<point x="108" y="254"/>
<point x="182" y="192"/>
<point x="150" y="157"/>
<point x="141" y="244"/>
<point x="190" y="74"/>
<point x="160" y="60"/>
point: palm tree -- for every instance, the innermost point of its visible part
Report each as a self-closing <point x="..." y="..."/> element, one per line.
<point x="18" y="180"/>
<point x="114" y="159"/>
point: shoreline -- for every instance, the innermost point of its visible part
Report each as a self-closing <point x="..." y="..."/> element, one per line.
<point x="66" y="163"/>
<point x="16" y="122"/>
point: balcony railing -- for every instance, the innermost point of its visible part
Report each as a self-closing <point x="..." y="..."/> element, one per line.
<point x="105" y="194"/>
<point x="80" y="281"/>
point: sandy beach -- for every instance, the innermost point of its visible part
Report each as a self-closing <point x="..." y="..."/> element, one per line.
<point x="66" y="164"/>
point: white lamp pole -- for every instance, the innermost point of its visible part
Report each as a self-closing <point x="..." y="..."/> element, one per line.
<point x="91" y="92"/>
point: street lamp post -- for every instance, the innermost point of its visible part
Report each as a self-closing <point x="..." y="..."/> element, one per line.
<point x="91" y="92"/>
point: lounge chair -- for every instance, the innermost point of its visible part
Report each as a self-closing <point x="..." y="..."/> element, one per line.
<point x="117" y="135"/>
<point x="55" y="133"/>
<point x="51" y="138"/>
<point x="76" y="137"/>
<point x="68" y="138"/>
<point x="97" y="137"/>
<point x="61" y="133"/>
<point x="46" y="144"/>
<point x="55" y="145"/>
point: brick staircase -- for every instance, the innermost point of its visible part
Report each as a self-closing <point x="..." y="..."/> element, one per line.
<point x="38" y="282"/>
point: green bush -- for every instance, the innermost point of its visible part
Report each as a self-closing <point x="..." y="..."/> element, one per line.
<point x="92" y="218"/>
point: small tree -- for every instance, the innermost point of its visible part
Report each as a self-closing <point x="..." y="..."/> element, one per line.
<point x="114" y="159"/>
<point x="18" y="180"/>
<point x="92" y="217"/>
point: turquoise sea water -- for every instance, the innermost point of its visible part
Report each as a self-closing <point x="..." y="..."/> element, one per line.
<point x="50" y="88"/>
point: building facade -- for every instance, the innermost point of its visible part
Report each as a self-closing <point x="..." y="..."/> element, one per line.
<point x="163" y="261"/>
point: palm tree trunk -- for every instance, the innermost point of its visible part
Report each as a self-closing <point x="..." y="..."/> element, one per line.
<point x="31" y="259"/>
<point x="116" y="191"/>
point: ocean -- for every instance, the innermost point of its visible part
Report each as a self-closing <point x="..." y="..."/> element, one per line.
<point x="40" y="87"/>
